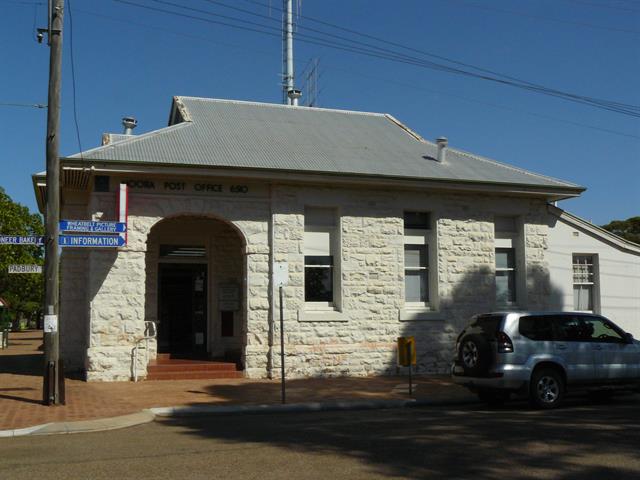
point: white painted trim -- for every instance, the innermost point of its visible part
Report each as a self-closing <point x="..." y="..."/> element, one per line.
<point x="327" y="315"/>
<point x="598" y="232"/>
<point x="409" y="314"/>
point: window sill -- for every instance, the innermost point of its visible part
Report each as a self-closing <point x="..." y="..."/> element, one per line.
<point x="419" y="314"/>
<point x="323" y="315"/>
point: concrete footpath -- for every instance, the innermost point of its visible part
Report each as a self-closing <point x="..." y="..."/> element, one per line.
<point x="107" y="406"/>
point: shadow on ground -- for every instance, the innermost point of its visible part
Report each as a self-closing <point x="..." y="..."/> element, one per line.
<point x="581" y="441"/>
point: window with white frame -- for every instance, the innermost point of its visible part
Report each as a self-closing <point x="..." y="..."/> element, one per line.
<point x="319" y="254"/>
<point x="506" y="240"/>
<point x="505" y="276"/>
<point x="417" y="235"/>
<point x="584" y="282"/>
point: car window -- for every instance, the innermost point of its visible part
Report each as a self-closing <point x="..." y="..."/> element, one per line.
<point x="580" y="328"/>
<point x="488" y="324"/>
<point x="573" y="328"/>
<point x="604" y="331"/>
<point x="536" y="327"/>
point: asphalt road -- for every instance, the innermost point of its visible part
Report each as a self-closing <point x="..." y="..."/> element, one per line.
<point x="581" y="441"/>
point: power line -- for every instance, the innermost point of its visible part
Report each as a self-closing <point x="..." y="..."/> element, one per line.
<point x="73" y="78"/>
<point x="31" y="105"/>
<point x="430" y="54"/>
<point x="403" y="84"/>
<point x="617" y="107"/>
<point x="547" y="19"/>
<point x="167" y="30"/>
<point x="601" y="5"/>
<point x="489" y="104"/>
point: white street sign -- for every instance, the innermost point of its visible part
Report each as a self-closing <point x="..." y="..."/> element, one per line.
<point x="25" y="268"/>
<point x="281" y="274"/>
<point x="50" y="323"/>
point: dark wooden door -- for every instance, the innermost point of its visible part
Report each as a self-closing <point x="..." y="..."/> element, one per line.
<point x="182" y="310"/>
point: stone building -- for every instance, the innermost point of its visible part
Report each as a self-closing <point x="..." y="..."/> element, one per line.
<point x="383" y="233"/>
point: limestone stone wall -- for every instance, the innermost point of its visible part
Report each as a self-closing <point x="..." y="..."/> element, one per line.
<point x="118" y="279"/>
<point x="360" y="339"/>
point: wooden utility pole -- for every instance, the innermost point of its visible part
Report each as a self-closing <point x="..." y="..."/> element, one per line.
<point x="53" y="391"/>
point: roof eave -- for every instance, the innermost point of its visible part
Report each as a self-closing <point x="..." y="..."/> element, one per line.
<point x="600" y="232"/>
<point x="550" y="192"/>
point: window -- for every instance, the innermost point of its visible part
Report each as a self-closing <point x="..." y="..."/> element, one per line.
<point x="507" y="239"/>
<point x="319" y="247"/>
<point x="584" y="282"/>
<point x="416" y="282"/>
<point x="505" y="276"/>
<point x="416" y="258"/>
<point x="537" y="327"/>
<point x="580" y="328"/>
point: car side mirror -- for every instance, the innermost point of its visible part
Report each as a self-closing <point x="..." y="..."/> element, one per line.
<point x="628" y="337"/>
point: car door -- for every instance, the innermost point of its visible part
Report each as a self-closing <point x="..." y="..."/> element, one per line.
<point x="576" y="351"/>
<point x="615" y="359"/>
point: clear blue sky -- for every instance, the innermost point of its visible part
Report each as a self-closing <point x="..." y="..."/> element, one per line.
<point x="131" y="61"/>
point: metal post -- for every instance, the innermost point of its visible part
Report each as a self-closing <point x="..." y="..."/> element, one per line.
<point x="410" y="368"/>
<point x="288" y="7"/>
<point x="284" y="395"/>
<point x="54" y="378"/>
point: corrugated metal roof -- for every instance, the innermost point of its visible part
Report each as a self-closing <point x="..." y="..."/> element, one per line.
<point x="224" y="133"/>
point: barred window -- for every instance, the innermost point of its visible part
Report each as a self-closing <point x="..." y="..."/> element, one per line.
<point x="584" y="282"/>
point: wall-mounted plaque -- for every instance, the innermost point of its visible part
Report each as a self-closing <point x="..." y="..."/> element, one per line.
<point x="228" y="297"/>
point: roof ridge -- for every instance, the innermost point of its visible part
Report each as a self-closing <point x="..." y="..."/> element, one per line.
<point x="279" y="105"/>
<point x="514" y="168"/>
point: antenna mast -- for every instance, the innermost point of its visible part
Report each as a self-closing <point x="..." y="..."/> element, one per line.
<point x="291" y="94"/>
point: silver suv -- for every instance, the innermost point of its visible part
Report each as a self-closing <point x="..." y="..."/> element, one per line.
<point x="542" y="355"/>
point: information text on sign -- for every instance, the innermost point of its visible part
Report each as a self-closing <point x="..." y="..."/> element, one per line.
<point x="21" y="240"/>
<point x="88" y="226"/>
<point x="91" y="241"/>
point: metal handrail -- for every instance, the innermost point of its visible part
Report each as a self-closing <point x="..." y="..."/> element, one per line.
<point x="150" y="332"/>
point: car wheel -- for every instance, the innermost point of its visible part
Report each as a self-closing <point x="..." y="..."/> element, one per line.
<point x="494" y="398"/>
<point x="546" y="389"/>
<point x="474" y="355"/>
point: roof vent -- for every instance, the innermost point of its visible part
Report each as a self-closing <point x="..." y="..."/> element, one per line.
<point x="294" y="95"/>
<point x="442" y="143"/>
<point x="129" y="123"/>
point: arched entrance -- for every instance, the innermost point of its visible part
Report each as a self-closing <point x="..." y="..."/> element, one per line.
<point x="195" y="288"/>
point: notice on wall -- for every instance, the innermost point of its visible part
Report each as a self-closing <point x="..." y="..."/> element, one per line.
<point x="50" y="323"/>
<point x="280" y="274"/>
<point x="228" y="297"/>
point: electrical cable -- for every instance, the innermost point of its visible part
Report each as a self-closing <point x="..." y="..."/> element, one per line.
<point x="617" y="107"/>
<point x="430" y="54"/>
<point x="32" y="105"/>
<point x="406" y="85"/>
<point x="73" y="77"/>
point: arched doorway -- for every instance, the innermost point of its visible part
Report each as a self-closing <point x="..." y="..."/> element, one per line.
<point x="195" y="288"/>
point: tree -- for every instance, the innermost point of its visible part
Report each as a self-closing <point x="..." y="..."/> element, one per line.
<point x="628" y="229"/>
<point x="23" y="292"/>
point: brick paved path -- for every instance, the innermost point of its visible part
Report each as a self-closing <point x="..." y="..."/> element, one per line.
<point x="21" y="390"/>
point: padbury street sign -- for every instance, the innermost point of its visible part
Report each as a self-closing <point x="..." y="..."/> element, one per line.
<point x="21" y="240"/>
<point x="89" y="226"/>
<point x="25" y="269"/>
<point x="91" y="241"/>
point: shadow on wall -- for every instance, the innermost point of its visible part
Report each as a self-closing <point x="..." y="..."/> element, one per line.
<point x="474" y="292"/>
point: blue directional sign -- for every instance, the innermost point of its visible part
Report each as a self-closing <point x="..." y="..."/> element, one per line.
<point x="92" y="241"/>
<point x="89" y="226"/>
<point x="21" y="240"/>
